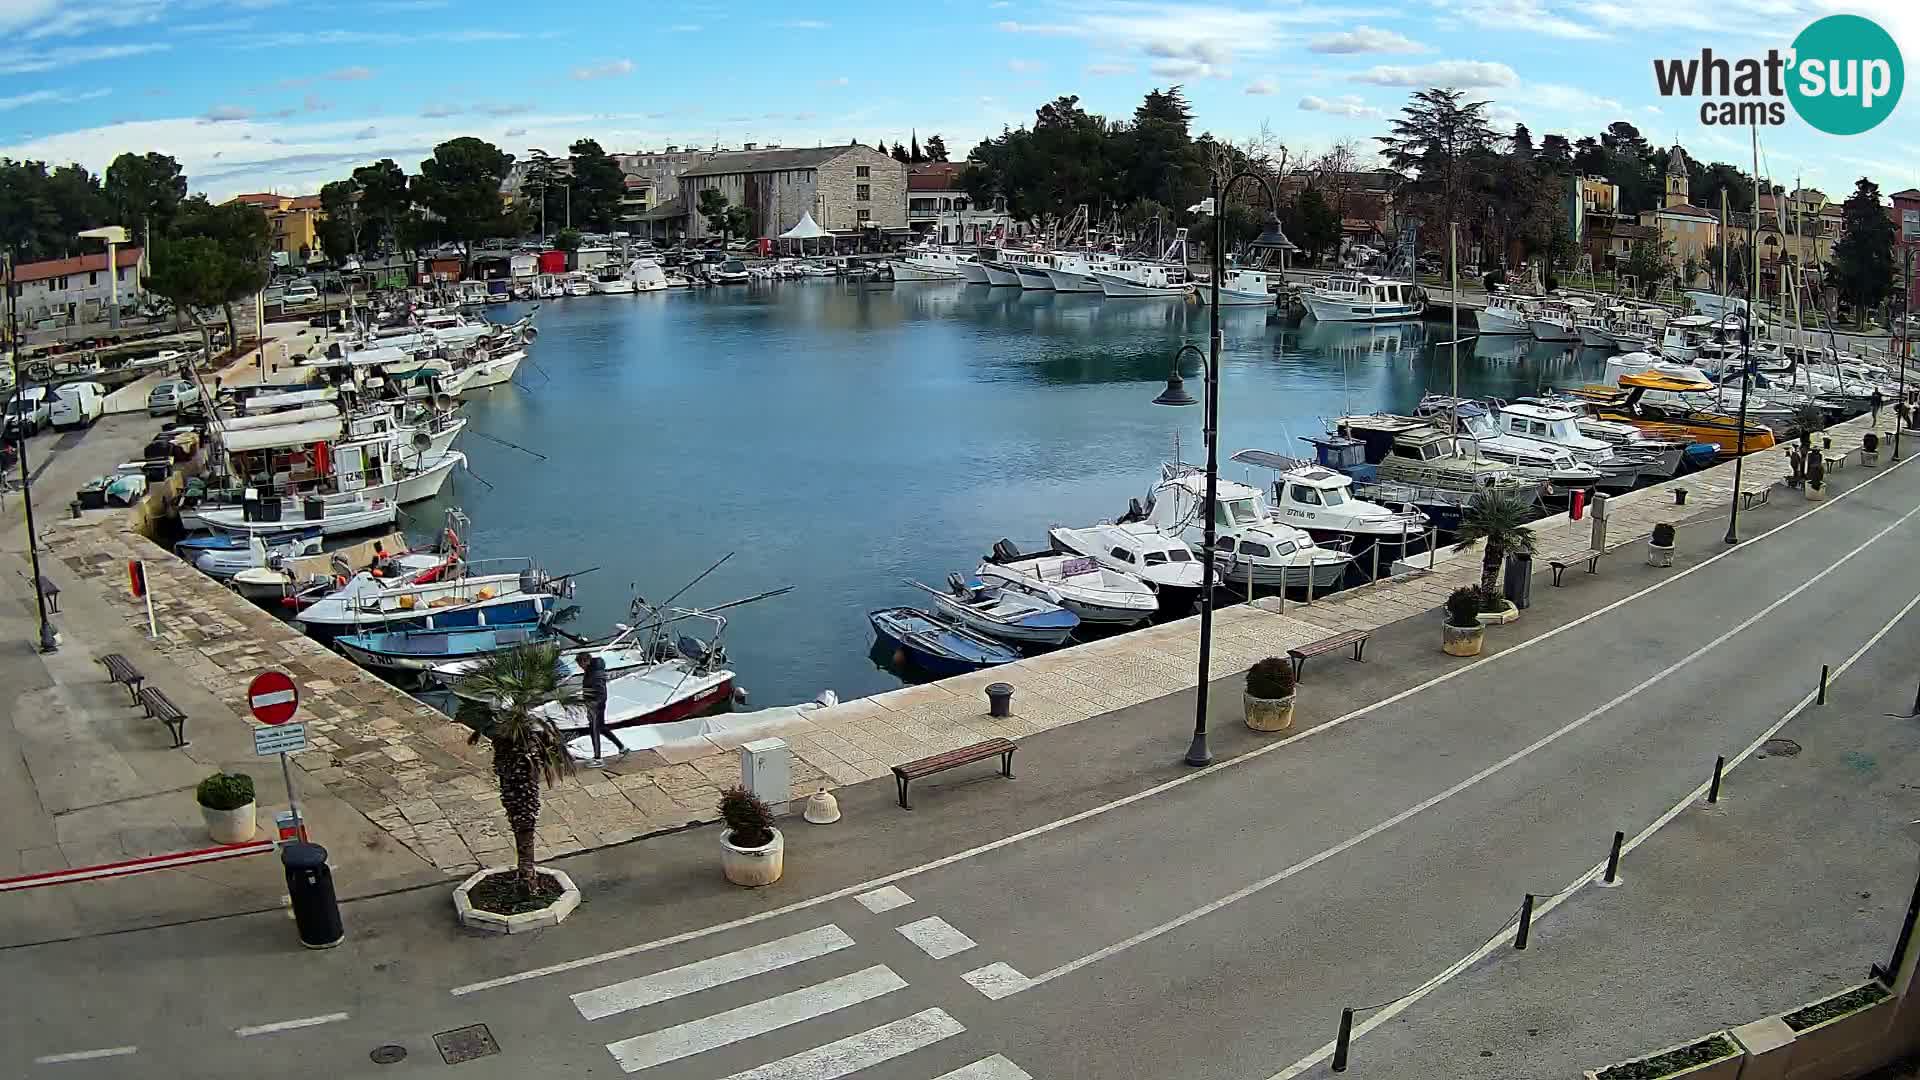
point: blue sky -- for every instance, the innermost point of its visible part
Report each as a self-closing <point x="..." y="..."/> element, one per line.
<point x="269" y="95"/>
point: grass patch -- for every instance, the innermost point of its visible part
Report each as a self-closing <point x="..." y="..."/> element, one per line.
<point x="1673" y="1061"/>
<point x="1822" y="1011"/>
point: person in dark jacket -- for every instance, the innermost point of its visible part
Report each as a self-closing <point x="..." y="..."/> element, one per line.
<point x="1873" y="406"/>
<point x="593" y="693"/>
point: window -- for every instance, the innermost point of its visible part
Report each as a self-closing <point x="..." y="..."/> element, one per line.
<point x="1224" y="543"/>
<point x="1335" y="496"/>
<point x="1122" y="554"/>
<point x="1155" y="558"/>
<point x="1286" y="548"/>
<point x="93" y="277"/>
<point x="863" y="215"/>
<point x="863" y="171"/>
<point x="1258" y="551"/>
<point x="1178" y="555"/>
<point x="863" y="192"/>
<point x="1305" y="495"/>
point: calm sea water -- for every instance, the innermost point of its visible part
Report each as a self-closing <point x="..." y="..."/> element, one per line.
<point x="840" y="438"/>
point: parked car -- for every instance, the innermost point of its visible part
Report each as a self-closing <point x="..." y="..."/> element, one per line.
<point x="171" y="397"/>
<point x="78" y="404"/>
<point x="300" y="292"/>
<point x="28" y="413"/>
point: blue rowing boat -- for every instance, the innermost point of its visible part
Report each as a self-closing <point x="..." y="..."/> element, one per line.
<point x="420" y="650"/>
<point x="936" y="645"/>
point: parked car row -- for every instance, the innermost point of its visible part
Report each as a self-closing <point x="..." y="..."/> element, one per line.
<point x="36" y="408"/>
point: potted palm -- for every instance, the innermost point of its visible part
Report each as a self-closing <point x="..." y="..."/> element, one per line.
<point x="504" y="704"/>
<point x="1869" y="450"/>
<point x="752" y="851"/>
<point x="1660" y="545"/>
<point x="1816" y="470"/>
<point x="226" y="804"/>
<point x="1500" y="519"/>
<point x="1269" y="695"/>
<point x="1462" y="633"/>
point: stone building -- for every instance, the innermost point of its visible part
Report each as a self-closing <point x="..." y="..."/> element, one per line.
<point x="1689" y="230"/>
<point x="846" y="189"/>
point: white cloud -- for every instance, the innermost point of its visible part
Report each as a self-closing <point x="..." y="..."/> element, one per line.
<point x="1025" y="67"/>
<point x="514" y="133"/>
<point x="1108" y="68"/>
<point x="349" y="74"/>
<point x="1571" y="99"/>
<point x="49" y="97"/>
<point x="365" y="133"/>
<point x="1347" y="105"/>
<point x="1653" y="109"/>
<point x="804" y="24"/>
<point x="1188" y="69"/>
<point x="37" y="19"/>
<point x="24" y="61"/>
<point x="225" y="114"/>
<point x="1364" y="39"/>
<point x="1528" y="16"/>
<point x="1189" y="40"/>
<point x="1460" y="74"/>
<point x="441" y="110"/>
<point x="840" y="80"/>
<point x="312" y="103"/>
<point x="609" y="70"/>
<point x="1262" y="85"/>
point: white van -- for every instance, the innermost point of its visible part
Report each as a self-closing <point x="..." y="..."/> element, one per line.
<point x="78" y="404"/>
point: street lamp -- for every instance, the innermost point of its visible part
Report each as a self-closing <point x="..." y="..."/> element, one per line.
<point x="1746" y="376"/>
<point x="49" y="640"/>
<point x="1176" y="395"/>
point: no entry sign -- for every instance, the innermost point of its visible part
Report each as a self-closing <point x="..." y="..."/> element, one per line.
<point x="273" y="697"/>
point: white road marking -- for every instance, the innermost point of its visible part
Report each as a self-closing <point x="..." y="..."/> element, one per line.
<point x="988" y="1068"/>
<point x="997" y="981"/>
<point x="289" y="1025"/>
<point x="1091" y="812"/>
<point x="1593" y="872"/>
<point x="886" y="899"/>
<point x="936" y="937"/>
<point x="843" y="1057"/>
<point x="85" y="1055"/>
<point x="758" y="1018"/>
<point x="718" y="971"/>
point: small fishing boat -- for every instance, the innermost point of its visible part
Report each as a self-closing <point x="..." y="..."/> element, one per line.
<point x="418" y="651"/>
<point x="934" y="645"/>
<point x="369" y="603"/>
<point x="1133" y="546"/>
<point x="1002" y="613"/>
<point x="1077" y="583"/>
<point x="222" y="563"/>
<point x="273" y="516"/>
<point x="193" y="546"/>
<point x="1251" y="547"/>
<point x="691" y="684"/>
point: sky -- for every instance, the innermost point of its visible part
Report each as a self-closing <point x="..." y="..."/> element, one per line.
<point x="265" y="95"/>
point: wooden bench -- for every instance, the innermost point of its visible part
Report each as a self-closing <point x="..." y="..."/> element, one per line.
<point x="52" y="592"/>
<point x="1751" y="499"/>
<point x="1355" y="638"/>
<point x="165" y="711"/>
<point x="1591" y="557"/>
<point x="122" y="671"/>
<point x="965" y="755"/>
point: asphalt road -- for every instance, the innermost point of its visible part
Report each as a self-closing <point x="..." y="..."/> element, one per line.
<point x="1196" y="924"/>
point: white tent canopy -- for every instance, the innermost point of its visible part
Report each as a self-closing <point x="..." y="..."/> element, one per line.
<point x="807" y="229"/>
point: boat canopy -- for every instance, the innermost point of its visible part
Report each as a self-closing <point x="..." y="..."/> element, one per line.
<point x="263" y="402"/>
<point x="282" y="435"/>
<point x="293" y="416"/>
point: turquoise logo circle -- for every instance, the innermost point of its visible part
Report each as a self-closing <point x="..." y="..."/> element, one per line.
<point x="1846" y="75"/>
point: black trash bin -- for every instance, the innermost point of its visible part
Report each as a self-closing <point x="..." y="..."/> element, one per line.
<point x="999" y="700"/>
<point x="1518" y="587"/>
<point x="310" y="887"/>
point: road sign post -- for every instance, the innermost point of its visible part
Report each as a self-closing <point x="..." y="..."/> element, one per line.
<point x="274" y="699"/>
<point x="137" y="581"/>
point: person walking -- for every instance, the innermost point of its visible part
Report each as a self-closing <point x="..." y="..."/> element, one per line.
<point x="593" y="694"/>
<point x="1873" y="406"/>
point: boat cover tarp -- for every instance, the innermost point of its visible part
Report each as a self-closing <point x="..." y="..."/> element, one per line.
<point x="280" y="435"/>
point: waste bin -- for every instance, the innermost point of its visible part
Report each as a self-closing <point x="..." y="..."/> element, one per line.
<point x="1518" y="587"/>
<point x="999" y="700"/>
<point x="310" y="888"/>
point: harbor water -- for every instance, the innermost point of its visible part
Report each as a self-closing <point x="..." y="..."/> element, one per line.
<point x="841" y="438"/>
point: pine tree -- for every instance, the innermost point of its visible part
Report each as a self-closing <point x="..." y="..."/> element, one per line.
<point x="900" y="153"/>
<point x="1862" y="265"/>
<point x="936" y="148"/>
<point x="913" y="150"/>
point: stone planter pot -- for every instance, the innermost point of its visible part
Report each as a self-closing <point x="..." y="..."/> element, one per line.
<point x="1869" y="459"/>
<point x="229" y="826"/>
<point x="551" y="915"/>
<point x="1461" y="640"/>
<point x="753" y="867"/>
<point x="1269" y="714"/>
<point x="1844" y="1045"/>
<point x="1726" y="1067"/>
<point x="1816" y="494"/>
<point x="1507" y="613"/>
<point x="1659" y="556"/>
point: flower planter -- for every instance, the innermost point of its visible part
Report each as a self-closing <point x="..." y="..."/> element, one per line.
<point x="1269" y="714"/>
<point x="753" y="867"/>
<point x="1722" y="1066"/>
<point x="1507" y="613"/>
<point x="1659" y="556"/>
<point x="521" y="922"/>
<point x="229" y="826"/>
<point x="1843" y="1044"/>
<point x="1816" y="494"/>
<point x="1461" y="640"/>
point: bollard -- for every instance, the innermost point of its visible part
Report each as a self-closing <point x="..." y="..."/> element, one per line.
<point x="1283" y="580"/>
<point x="1824" y="670"/>
<point x="1713" y="791"/>
<point x="1916" y="701"/>
<point x="1613" y="861"/>
<point x="1340" y="1044"/>
<point x="1679" y="496"/>
<point x="999" y="700"/>
<point x="1526" y="922"/>
<point x="1376" y="554"/>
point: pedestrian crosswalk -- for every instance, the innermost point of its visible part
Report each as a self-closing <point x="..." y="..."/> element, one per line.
<point x="876" y="985"/>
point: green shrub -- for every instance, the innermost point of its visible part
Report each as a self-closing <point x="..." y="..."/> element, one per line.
<point x="1663" y="535"/>
<point x="747" y="817"/>
<point x="1821" y="1011"/>
<point x="1712" y="1048"/>
<point x="225" y="791"/>
<point x="1271" y="679"/>
<point x="1490" y="599"/>
<point x="1463" y="607"/>
<point x="1870" y="442"/>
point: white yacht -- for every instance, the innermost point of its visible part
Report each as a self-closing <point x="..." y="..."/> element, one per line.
<point x="1559" y="426"/>
<point x="1250" y="547"/>
<point x="1075" y="582"/>
<point x="1321" y="501"/>
<point x="1137" y="548"/>
<point x="1362" y="298"/>
<point x="578" y="283"/>
<point x="1529" y="458"/>
<point x="1004" y="268"/>
<point x="934" y="264"/>
<point x="1504" y="314"/>
<point x="1072" y="271"/>
<point x="1136" y="278"/>
<point x="1245" y="288"/>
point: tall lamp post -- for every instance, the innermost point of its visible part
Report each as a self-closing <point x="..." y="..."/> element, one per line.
<point x="1176" y="394"/>
<point x="49" y="641"/>
<point x="1746" y="377"/>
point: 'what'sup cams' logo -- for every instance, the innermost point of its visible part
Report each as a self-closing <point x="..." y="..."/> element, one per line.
<point x="1843" y="75"/>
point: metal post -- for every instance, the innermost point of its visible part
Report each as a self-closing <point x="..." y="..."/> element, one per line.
<point x="1197" y="752"/>
<point x="1916" y="701"/>
<point x="1526" y="922"/>
<point x="1376" y="552"/>
<point x="1746" y="360"/>
<point x="1613" y="860"/>
<point x="49" y="641"/>
<point x="146" y="593"/>
<point x="1713" y="791"/>
<point x="293" y="799"/>
<point x="1825" y="671"/>
<point x="1340" y="1044"/>
<point x="1901" y="342"/>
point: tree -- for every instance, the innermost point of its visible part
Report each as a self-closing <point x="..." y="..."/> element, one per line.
<point x="384" y="196"/>
<point x="502" y="703"/>
<point x="1862" y="266"/>
<point x="1441" y="138"/>
<point x="145" y="191"/>
<point x="936" y="148"/>
<point x="461" y="184"/>
<point x="914" y="156"/>
<point x="548" y="176"/>
<point x="1647" y="261"/>
<point x="1500" y="519"/>
<point x="1555" y="153"/>
<point x="568" y="241"/>
<point x="900" y="153"/>
<point x="713" y="207"/>
<point x="1316" y="225"/>
<point x="340" y="225"/>
<point x="739" y="222"/>
<point x="598" y="185"/>
<point x="237" y="267"/>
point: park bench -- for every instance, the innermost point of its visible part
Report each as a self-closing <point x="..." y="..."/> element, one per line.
<point x="1355" y="638"/>
<point x="160" y="708"/>
<point x="965" y="755"/>
<point x="1591" y="557"/>
<point x="122" y="671"/>
<point x="1751" y="499"/>
<point x="52" y="592"/>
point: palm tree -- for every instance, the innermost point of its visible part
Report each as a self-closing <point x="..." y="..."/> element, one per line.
<point x="500" y="702"/>
<point x="1500" y="518"/>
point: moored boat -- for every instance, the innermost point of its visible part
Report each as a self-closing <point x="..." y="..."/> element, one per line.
<point x="935" y="645"/>
<point x="1002" y="613"/>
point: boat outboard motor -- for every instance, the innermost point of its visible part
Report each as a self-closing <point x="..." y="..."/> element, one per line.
<point x="957" y="585"/>
<point x="1135" y="512"/>
<point x="1004" y="551"/>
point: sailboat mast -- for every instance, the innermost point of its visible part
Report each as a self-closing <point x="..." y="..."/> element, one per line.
<point x="1453" y="272"/>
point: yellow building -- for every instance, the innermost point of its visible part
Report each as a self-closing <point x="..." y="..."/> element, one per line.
<point x="292" y="224"/>
<point x="1688" y="230"/>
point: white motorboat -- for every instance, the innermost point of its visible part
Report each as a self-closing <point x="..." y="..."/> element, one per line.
<point x="1529" y="458"/>
<point x="493" y="370"/>
<point x="1137" y="548"/>
<point x="1005" y="268"/>
<point x="934" y="264"/>
<point x="1558" y="320"/>
<point x="1081" y="585"/>
<point x="1559" y="426"/>
<point x="1245" y="288"/>
<point x="729" y="272"/>
<point x="1146" y="278"/>
<point x="1321" y="501"/>
<point x="337" y="516"/>
<point x="1072" y="271"/>
<point x="697" y="732"/>
<point x="1007" y="614"/>
<point x="1362" y="298"/>
<point x="1504" y="314"/>
<point x="612" y="282"/>
<point x="371" y="603"/>
<point x="579" y="284"/>
<point x="1595" y="328"/>
<point x="223" y="564"/>
<point x="647" y="276"/>
<point x="1681" y="338"/>
<point x="1251" y="548"/>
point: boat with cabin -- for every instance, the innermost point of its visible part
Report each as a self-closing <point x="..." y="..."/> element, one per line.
<point x="1505" y="313"/>
<point x="1362" y="298"/>
<point x="1126" y="278"/>
<point x="932" y="263"/>
<point x="1079" y="584"/>
<point x="1321" y="500"/>
<point x="1252" y="548"/>
<point x="1133" y="545"/>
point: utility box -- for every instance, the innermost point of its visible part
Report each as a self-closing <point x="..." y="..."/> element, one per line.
<point x="766" y="770"/>
<point x="1599" y="522"/>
